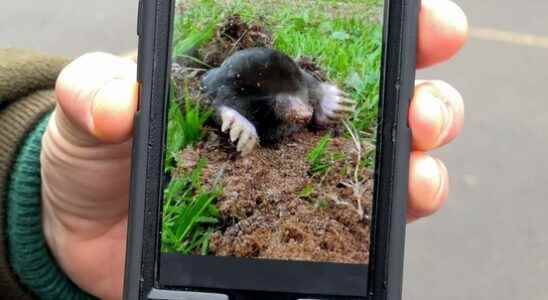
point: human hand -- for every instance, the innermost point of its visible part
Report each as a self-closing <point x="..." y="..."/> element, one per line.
<point x="436" y="113"/>
<point x="87" y="152"/>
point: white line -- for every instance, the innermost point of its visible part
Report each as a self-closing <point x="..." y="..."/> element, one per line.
<point x="510" y="37"/>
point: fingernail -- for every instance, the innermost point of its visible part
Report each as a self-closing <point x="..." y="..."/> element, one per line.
<point x="447" y="121"/>
<point x="430" y="171"/>
<point x="427" y="185"/>
<point x="443" y="107"/>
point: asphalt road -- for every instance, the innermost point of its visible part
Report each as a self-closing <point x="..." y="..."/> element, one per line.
<point x="491" y="239"/>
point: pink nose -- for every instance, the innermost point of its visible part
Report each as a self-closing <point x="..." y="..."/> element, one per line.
<point x="300" y="113"/>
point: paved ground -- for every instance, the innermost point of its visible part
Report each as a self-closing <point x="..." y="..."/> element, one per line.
<point x="491" y="240"/>
<point x="70" y="27"/>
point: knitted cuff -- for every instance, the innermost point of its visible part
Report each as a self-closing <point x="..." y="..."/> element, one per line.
<point x="29" y="255"/>
<point x="16" y="121"/>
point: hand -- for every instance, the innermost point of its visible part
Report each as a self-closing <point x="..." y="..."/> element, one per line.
<point x="436" y="114"/>
<point x="87" y="152"/>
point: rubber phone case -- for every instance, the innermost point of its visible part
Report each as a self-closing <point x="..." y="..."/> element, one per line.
<point x="393" y="150"/>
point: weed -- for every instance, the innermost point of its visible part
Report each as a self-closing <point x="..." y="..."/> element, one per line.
<point x="185" y="126"/>
<point x="317" y="157"/>
<point x="321" y="204"/>
<point x="307" y="192"/>
<point x="189" y="213"/>
<point x="194" y="39"/>
<point x="189" y="209"/>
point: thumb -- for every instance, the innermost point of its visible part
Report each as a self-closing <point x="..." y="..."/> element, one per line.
<point x="97" y="94"/>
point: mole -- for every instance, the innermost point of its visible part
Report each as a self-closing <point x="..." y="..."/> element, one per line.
<point x="260" y="94"/>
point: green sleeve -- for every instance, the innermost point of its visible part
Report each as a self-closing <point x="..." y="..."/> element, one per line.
<point x="27" y="80"/>
<point x="29" y="255"/>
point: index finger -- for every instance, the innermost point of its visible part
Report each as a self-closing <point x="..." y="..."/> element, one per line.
<point x="443" y="30"/>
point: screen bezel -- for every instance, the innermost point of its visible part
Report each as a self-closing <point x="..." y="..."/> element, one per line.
<point x="155" y="45"/>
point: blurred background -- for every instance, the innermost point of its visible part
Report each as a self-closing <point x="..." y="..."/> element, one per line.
<point x="491" y="239"/>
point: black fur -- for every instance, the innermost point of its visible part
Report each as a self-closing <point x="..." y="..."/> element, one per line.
<point x="255" y="82"/>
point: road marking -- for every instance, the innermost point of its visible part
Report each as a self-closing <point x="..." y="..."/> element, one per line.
<point x="510" y="37"/>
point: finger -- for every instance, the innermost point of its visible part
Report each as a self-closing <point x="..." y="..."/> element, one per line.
<point x="133" y="55"/>
<point x="443" y="30"/>
<point x="113" y="110"/>
<point x="97" y="93"/>
<point x="428" y="186"/>
<point x="436" y="115"/>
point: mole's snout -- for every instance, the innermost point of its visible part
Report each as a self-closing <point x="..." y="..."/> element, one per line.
<point x="296" y="110"/>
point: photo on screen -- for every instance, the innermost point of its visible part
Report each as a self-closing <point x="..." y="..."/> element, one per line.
<point x="271" y="133"/>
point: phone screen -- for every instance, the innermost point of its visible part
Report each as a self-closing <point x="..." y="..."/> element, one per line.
<point x="270" y="146"/>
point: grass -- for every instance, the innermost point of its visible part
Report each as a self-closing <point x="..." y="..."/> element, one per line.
<point x="189" y="213"/>
<point x="188" y="208"/>
<point x="317" y="158"/>
<point x="345" y="43"/>
<point x="307" y="192"/>
<point x="348" y="45"/>
<point x="184" y="127"/>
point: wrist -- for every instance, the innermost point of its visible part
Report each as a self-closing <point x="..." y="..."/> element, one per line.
<point x="29" y="255"/>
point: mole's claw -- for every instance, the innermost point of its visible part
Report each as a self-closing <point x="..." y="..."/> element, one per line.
<point x="235" y="132"/>
<point x="334" y="105"/>
<point x="343" y="109"/>
<point x="241" y="129"/>
<point x="244" y="139"/>
<point x="247" y="142"/>
<point x="226" y="125"/>
<point x="227" y="117"/>
<point x="348" y="102"/>
<point x="249" y="146"/>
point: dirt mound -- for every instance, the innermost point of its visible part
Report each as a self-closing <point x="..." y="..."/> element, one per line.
<point x="232" y="35"/>
<point x="235" y="35"/>
<point x="273" y="207"/>
<point x="309" y="64"/>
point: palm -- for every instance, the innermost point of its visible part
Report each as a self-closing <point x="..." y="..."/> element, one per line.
<point x="90" y="182"/>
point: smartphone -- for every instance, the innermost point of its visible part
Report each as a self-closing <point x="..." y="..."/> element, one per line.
<point x="271" y="149"/>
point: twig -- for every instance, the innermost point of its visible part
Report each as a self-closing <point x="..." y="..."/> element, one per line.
<point x="194" y="59"/>
<point x="357" y="186"/>
<point x="358" y="145"/>
<point x="358" y="210"/>
<point x="238" y="41"/>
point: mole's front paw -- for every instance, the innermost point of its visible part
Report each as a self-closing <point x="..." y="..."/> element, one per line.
<point x="334" y="105"/>
<point x="241" y="130"/>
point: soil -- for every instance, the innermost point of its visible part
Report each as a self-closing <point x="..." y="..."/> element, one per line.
<point x="232" y="35"/>
<point x="266" y="214"/>
<point x="272" y="207"/>
<point x="235" y="35"/>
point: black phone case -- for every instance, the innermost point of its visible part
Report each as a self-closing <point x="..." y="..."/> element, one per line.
<point x="393" y="151"/>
